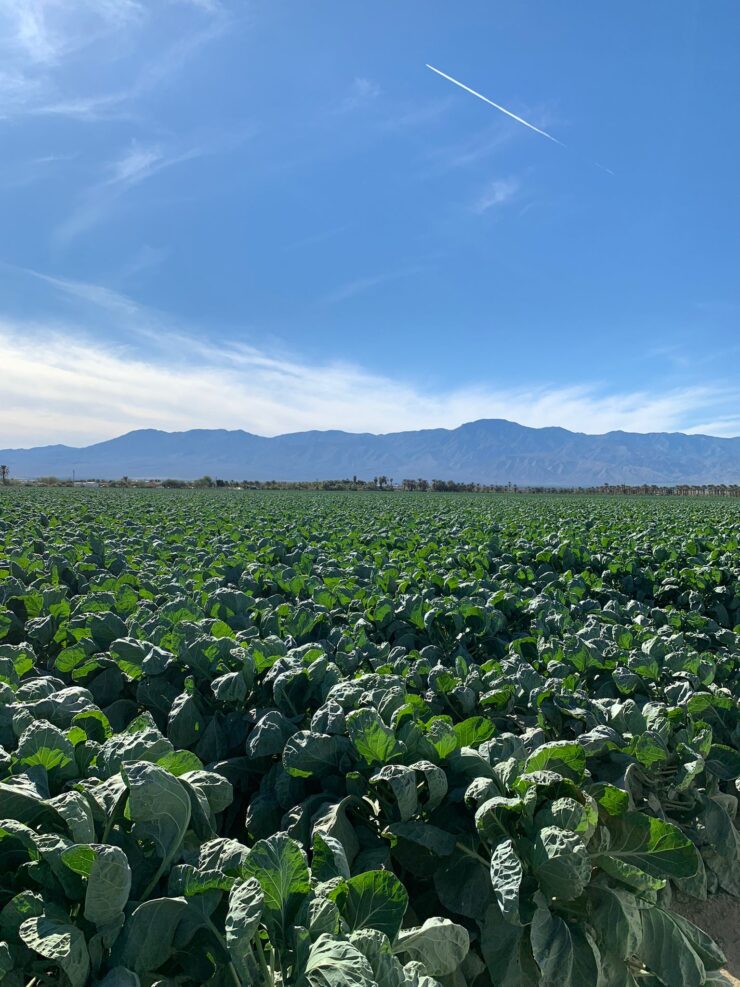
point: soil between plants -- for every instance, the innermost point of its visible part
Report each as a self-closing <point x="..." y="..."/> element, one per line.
<point x="719" y="917"/>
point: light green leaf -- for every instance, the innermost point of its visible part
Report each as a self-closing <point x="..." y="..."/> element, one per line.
<point x="376" y="949"/>
<point x="373" y="900"/>
<point x="474" y="731"/>
<point x="333" y="963"/>
<point x="280" y="865"/>
<point x="108" y="879"/>
<point x="61" y="943"/>
<point x="560" y="862"/>
<point x="643" y="842"/>
<point x="373" y="740"/>
<point x="307" y="754"/>
<point x="506" y="877"/>
<point x="328" y="859"/>
<point x="246" y="902"/>
<point x="439" y="944"/>
<point x="565" y="757"/>
<point x="159" y="807"/>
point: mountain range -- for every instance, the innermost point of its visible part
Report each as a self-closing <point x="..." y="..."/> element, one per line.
<point x="485" y="451"/>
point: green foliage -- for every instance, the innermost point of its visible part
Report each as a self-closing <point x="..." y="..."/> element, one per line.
<point x="279" y="739"/>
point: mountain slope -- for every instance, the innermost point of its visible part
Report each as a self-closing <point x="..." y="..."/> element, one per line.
<point x="487" y="451"/>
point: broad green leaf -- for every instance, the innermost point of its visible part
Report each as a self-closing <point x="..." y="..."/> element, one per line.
<point x="506" y="949"/>
<point x="108" y="879"/>
<point x="44" y="745"/>
<point x="437" y="841"/>
<point x="397" y="783"/>
<point x="279" y="864"/>
<point x="506" y="877"/>
<point x="561" y="863"/>
<point x="373" y="740"/>
<point x="21" y="800"/>
<point x="666" y="952"/>
<point x="649" y="844"/>
<point x="567" y="813"/>
<point x="159" y="807"/>
<point x="328" y="859"/>
<point x="496" y="817"/>
<point x="188" y="881"/>
<point x="61" y="943"/>
<point x="246" y="901"/>
<point x="416" y="976"/>
<point x="565" y="757"/>
<point x="615" y="917"/>
<point x="149" y="933"/>
<point x="474" y="731"/>
<point x="119" y="976"/>
<point x="308" y="754"/>
<point x="564" y="952"/>
<point x="333" y="963"/>
<point x="463" y="883"/>
<point x="376" y="949"/>
<point x="439" y="944"/>
<point x="373" y="900"/>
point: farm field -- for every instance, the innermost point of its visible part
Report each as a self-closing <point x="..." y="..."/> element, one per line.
<point x="403" y="740"/>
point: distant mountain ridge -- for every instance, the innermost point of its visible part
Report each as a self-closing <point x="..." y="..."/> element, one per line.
<point x="484" y="451"/>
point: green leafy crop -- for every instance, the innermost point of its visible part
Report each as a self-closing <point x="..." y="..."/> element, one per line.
<point x="310" y="740"/>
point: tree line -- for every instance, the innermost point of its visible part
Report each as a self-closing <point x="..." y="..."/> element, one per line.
<point x="408" y="485"/>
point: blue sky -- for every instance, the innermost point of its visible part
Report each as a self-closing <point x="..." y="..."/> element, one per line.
<point x="273" y="216"/>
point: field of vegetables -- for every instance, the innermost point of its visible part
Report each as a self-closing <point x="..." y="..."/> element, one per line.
<point x="373" y="740"/>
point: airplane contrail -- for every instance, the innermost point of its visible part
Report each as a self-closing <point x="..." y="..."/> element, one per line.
<point x="496" y="105"/>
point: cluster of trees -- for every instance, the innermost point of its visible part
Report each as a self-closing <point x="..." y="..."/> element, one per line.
<point x="377" y="483"/>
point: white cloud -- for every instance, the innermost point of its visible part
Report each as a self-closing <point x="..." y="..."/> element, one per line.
<point x="133" y="167"/>
<point x="497" y="193"/>
<point x="43" y="32"/>
<point x="59" y="386"/>
<point x="40" y="40"/>
<point x="727" y="426"/>
<point x="362" y="92"/>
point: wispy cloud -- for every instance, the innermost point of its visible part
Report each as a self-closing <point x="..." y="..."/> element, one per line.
<point x="146" y="258"/>
<point x="98" y="297"/>
<point x="497" y="193"/>
<point x="135" y="165"/>
<point x="43" y="33"/>
<point x="210" y="6"/>
<point x="469" y="152"/>
<point x="360" y="285"/>
<point x="728" y="425"/>
<point x="362" y="92"/>
<point x="39" y="40"/>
